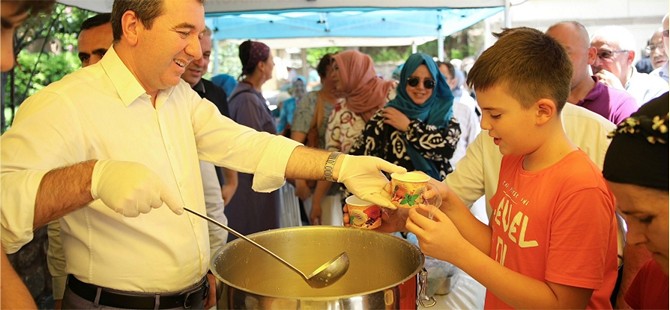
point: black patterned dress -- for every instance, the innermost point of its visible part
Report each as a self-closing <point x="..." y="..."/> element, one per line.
<point x="386" y="142"/>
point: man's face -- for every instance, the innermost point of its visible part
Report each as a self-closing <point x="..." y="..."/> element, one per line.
<point x="576" y="47"/>
<point x="666" y="42"/>
<point x="451" y="80"/>
<point x="162" y="53"/>
<point x="93" y="43"/>
<point x="197" y="68"/>
<point x="656" y="50"/>
<point x="11" y="20"/>
<point x="612" y="58"/>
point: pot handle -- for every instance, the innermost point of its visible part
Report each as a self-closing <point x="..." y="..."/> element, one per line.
<point x="424" y="300"/>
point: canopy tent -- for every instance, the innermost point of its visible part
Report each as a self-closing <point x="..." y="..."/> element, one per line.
<point x="346" y="22"/>
<point x="319" y="23"/>
<point x="239" y="6"/>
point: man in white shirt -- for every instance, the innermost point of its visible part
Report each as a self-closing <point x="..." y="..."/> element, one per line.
<point x="662" y="71"/>
<point x="614" y="65"/>
<point x="124" y="137"/>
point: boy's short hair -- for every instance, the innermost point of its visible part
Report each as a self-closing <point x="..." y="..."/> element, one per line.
<point x="529" y="63"/>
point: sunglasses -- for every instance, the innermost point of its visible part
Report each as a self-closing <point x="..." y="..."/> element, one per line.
<point x="414" y="82"/>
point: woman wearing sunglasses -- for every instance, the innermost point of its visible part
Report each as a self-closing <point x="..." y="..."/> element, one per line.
<point x="416" y="129"/>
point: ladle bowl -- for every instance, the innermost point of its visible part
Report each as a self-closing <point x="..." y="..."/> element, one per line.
<point x="325" y="275"/>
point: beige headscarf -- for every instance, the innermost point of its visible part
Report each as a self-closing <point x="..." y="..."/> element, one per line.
<point x="364" y="91"/>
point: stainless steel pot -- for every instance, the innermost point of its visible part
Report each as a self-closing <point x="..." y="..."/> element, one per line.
<point x="382" y="272"/>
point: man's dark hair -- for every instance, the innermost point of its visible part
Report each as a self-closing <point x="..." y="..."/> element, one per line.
<point x="324" y="64"/>
<point x="450" y="68"/>
<point x="529" y="64"/>
<point x="146" y="11"/>
<point x="95" y="21"/>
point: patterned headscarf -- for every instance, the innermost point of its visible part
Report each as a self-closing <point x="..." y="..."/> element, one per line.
<point x="638" y="153"/>
<point x="258" y="51"/>
<point x="435" y="111"/>
<point x="364" y="91"/>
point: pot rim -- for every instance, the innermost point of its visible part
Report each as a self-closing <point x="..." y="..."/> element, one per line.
<point x="402" y="241"/>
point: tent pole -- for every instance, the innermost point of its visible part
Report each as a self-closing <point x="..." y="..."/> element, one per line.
<point x="440" y="37"/>
<point x="508" y="20"/>
<point x="215" y="56"/>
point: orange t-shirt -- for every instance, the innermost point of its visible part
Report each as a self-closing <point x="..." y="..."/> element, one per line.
<point x="556" y="225"/>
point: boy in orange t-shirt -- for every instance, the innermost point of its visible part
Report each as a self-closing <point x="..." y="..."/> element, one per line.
<point x="551" y="242"/>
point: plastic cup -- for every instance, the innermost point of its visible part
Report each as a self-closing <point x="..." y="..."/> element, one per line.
<point x="363" y="214"/>
<point x="407" y="188"/>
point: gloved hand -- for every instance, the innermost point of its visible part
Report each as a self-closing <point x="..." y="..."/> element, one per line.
<point x="362" y="175"/>
<point x="131" y="188"/>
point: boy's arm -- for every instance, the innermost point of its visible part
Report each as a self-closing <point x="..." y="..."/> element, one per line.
<point x="441" y="239"/>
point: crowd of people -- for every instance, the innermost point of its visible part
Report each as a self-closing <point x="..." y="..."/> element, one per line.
<point x="558" y="130"/>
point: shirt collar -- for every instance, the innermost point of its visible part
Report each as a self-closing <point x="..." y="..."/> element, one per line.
<point x="125" y="83"/>
<point x="199" y="87"/>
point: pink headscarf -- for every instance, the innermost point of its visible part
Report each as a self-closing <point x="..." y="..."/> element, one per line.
<point x="364" y="91"/>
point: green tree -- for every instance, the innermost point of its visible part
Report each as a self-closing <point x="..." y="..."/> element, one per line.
<point x="45" y="48"/>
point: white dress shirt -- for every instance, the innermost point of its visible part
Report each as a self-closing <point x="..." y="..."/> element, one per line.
<point x="644" y="87"/>
<point x="464" y="112"/>
<point x="102" y="112"/>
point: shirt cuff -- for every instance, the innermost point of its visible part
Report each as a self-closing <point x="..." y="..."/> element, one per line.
<point x="19" y="191"/>
<point x="270" y="172"/>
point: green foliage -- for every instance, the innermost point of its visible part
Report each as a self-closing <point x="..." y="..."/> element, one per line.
<point x="46" y="46"/>
<point x="314" y="55"/>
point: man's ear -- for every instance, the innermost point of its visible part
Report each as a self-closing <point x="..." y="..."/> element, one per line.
<point x="545" y="110"/>
<point x="130" y="25"/>
<point x="592" y="54"/>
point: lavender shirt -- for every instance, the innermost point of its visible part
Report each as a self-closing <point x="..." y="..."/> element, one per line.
<point x="613" y="104"/>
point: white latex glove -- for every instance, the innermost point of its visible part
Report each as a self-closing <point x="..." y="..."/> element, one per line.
<point x="362" y="175"/>
<point x="130" y="188"/>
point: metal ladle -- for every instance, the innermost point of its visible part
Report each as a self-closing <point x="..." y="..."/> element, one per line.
<point x="325" y="275"/>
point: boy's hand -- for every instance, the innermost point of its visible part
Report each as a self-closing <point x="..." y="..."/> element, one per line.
<point x="392" y="220"/>
<point x="438" y="237"/>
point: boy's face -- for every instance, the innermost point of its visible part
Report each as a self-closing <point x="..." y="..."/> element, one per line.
<point x="507" y="122"/>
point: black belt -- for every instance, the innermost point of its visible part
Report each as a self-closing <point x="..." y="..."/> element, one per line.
<point x="194" y="297"/>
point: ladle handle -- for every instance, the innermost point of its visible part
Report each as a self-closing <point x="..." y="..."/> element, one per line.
<point x="239" y="235"/>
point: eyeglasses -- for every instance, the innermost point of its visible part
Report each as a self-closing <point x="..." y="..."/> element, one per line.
<point x="652" y="47"/>
<point x="605" y="54"/>
<point x="414" y="82"/>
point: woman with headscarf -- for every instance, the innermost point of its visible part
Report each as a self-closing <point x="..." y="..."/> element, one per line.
<point x="636" y="170"/>
<point x="355" y="79"/>
<point x="416" y="129"/>
<point x="249" y="211"/>
<point x="365" y="93"/>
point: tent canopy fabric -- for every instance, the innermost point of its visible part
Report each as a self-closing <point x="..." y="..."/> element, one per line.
<point x="335" y="22"/>
<point x="346" y="22"/>
<point x="238" y="6"/>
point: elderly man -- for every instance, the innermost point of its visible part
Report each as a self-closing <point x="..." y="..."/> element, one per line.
<point x="130" y="143"/>
<point x="615" y="47"/>
<point x="662" y="71"/>
<point x="613" y="104"/>
<point x="219" y="185"/>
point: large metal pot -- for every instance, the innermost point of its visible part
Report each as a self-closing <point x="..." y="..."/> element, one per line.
<point x="382" y="272"/>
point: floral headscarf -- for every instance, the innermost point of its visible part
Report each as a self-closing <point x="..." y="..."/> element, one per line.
<point x="638" y="153"/>
<point x="364" y="91"/>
